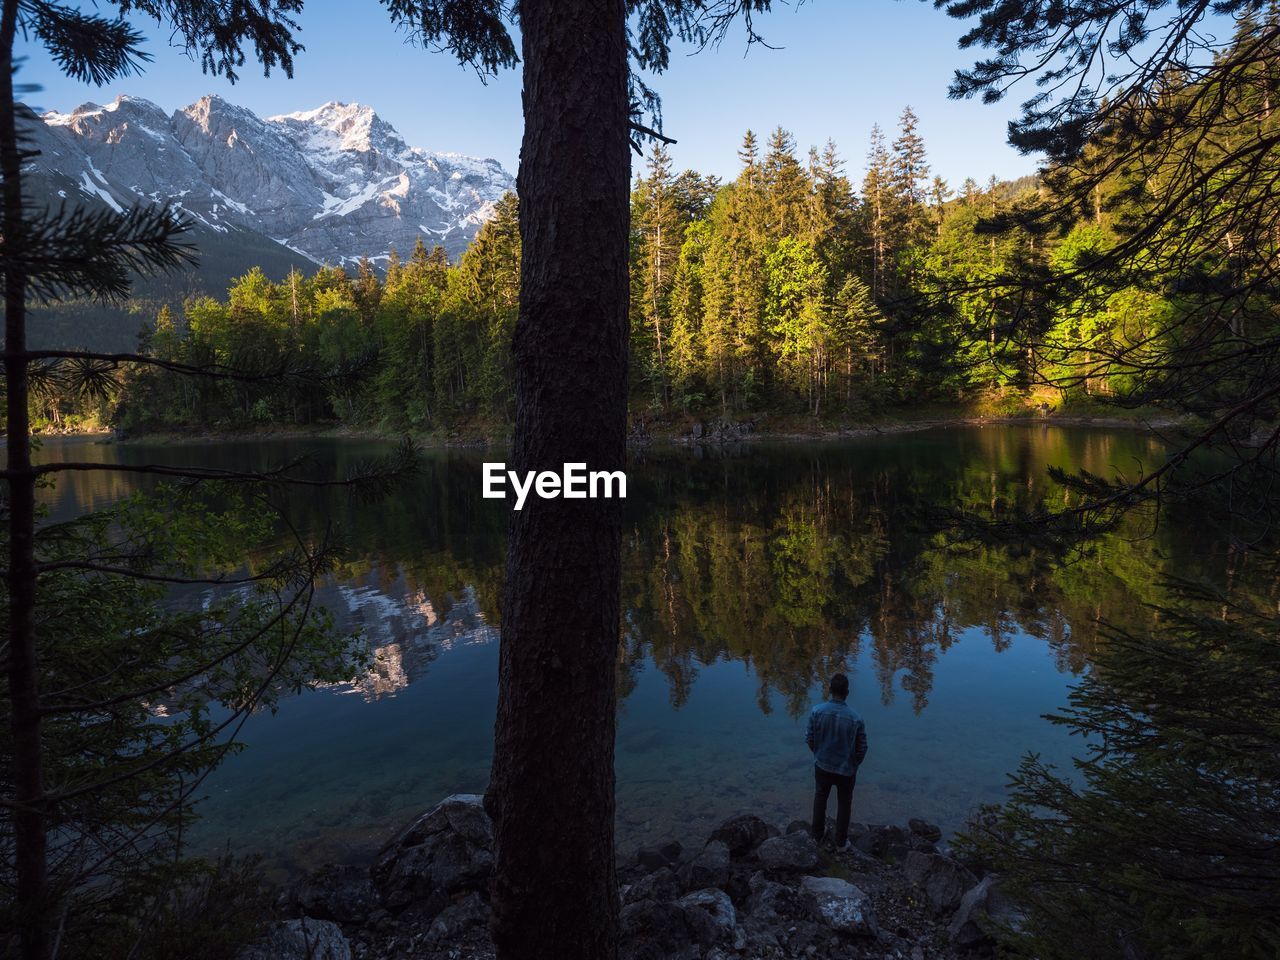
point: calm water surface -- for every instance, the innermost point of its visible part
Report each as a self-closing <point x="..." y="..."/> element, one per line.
<point x="749" y="574"/>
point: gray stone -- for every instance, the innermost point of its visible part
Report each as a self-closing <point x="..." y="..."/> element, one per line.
<point x="842" y="906"/>
<point x="983" y="907"/>
<point x="671" y="850"/>
<point x="798" y="826"/>
<point x="660" y="930"/>
<point x="715" y="904"/>
<point x="342" y="893"/>
<point x="650" y="859"/>
<point x="710" y="868"/>
<point x="304" y="939"/>
<point x="743" y="834"/>
<point x="877" y="839"/>
<point x="793" y="853"/>
<point x="444" y="852"/>
<point x="922" y="828"/>
<point x="942" y="880"/>
<point x="661" y="885"/>
<point x="455" y="920"/>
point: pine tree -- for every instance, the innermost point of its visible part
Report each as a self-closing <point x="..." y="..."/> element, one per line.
<point x="661" y="235"/>
<point x="878" y="204"/>
<point x="785" y="187"/>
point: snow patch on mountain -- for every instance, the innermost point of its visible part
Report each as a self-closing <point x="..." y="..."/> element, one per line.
<point x="334" y="183"/>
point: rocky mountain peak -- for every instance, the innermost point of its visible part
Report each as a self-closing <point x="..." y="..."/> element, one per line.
<point x="334" y="183"/>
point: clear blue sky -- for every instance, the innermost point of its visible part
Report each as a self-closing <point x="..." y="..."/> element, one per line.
<point x="842" y="66"/>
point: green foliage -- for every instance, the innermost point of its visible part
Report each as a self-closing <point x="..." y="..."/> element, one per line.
<point x="1164" y="846"/>
<point x="144" y="690"/>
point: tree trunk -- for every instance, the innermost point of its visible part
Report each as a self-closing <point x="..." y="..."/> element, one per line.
<point x="30" y="845"/>
<point x="551" y="794"/>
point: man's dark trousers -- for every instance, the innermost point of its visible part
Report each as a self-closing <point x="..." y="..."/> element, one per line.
<point x="824" y="780"/>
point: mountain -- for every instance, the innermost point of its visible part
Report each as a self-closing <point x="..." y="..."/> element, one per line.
<point x="332" y="184"/>
<point x="328" y="185"/>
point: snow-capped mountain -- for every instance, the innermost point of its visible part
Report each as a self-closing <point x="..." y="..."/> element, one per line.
<point x="333" y="184"/>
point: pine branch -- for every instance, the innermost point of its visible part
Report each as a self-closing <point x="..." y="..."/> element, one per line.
<point x="79" y="252"/>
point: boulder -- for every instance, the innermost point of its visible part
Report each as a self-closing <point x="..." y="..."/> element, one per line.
<point x="928" y="831"/>
<point x="983" y="906"/>
<point x="743" y="834"/>
<point x="671" y="850"/>
<point x="798" y="826"/>
<point x="662" y="885"/>
<point x="445" y="852"/>
<point x="649" y="858"/>
<point x="662" y="930"/>
<point x="793" y="853"/>
<point x="943" y="881"/>
<point x="710" y="868"/>
<point x="455" y="920"/>
<point x="842" y="906"/>
<point x="877" y="839"/>
<point x="303" y="939"/>
<point x="770" y="911"/>
<point x="341" y="893"/>
<point x="716" y="905"/>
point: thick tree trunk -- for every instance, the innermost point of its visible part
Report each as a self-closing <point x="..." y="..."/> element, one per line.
<point x="30" y="850"/>
<point x="551" y="795"/>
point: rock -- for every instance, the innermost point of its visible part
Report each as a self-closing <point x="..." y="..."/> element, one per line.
<point x="942" y="880"/>
<point x="661" y="885"/>
<point x="457" y="919"/>
<point x="793" y="853"/>
<point x="710" y="868"/>
<point x="444" y="852"/>
<point x="743" y="834"/>
<point x="651" y="859"/>
<point x="798" y="826"/>
<point x="342" y="893"/>
<point x="877" y="839"/>
<point x="928" y="831"/>
<point x="769" y="912"/>
<point x="982" y="907"/>
<point x="671" y="850"/>
<point x="842" y="906"/>
<point x="304" y="939"/>
<point x="661" y="930"/>
<point x="716" y="905"/>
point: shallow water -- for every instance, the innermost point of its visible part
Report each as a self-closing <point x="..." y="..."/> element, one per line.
<point x="749" y="574"/>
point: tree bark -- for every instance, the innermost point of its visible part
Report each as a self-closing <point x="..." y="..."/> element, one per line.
<point x="551" y="794"/>
<point x="30" y="843"/>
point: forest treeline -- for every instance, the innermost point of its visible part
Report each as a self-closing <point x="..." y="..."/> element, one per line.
<point x="786" y="290"/>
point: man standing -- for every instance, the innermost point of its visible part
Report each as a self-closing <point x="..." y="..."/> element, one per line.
<point x="838" y="738"/>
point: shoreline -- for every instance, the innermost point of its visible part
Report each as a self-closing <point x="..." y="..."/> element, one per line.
<point x="747" y="430"/>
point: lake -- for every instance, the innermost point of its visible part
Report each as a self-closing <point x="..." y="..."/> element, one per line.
<point x="750" y="573"/>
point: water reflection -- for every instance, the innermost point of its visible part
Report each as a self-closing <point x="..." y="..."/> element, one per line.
<point x="749" y="575"/>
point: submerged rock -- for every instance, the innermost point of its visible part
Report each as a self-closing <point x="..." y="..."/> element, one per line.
<point x="743" y="834"/>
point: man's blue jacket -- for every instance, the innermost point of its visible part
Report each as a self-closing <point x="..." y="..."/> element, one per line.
<point x="837" y="736"/>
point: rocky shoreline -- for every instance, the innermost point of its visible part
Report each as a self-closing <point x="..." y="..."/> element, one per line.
<point x="753" y="890"/>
